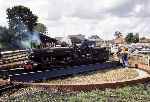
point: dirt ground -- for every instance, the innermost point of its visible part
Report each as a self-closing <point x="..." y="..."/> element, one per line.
<point x="99" y="76"/>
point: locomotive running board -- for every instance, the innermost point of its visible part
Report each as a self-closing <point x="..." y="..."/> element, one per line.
<point x="49" y="74"/>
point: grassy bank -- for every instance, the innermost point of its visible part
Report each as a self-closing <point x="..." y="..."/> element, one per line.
<point x="137" y="93"/>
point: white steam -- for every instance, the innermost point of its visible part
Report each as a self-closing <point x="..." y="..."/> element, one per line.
<point x="25" y="38"/>
<point x="67" y="40"/>
<point x="31" y="38"/>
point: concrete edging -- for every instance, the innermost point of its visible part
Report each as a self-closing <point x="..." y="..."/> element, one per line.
<point x="87" y="87"/>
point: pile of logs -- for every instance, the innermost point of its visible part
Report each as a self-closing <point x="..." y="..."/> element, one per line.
<point x="13" y="58"/>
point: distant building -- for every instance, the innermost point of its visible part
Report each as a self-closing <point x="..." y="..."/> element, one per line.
<point x="98" y="41"/>
<point x="77" y="38"/>
<point x="144" y="40"/>
<point x="59" y="38"/>
<point x="108" y="43"/>
<point x="119" y="40"/>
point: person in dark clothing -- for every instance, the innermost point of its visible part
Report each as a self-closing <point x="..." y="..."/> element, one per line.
<point x="0" y="53"/>
<point x="125" y="57"/>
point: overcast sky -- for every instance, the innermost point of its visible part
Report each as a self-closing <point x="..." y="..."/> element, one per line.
<point x="88" y="17"/>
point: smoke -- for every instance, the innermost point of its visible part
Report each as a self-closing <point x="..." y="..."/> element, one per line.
<point x="24" y="38"/>
<point x="30" y="40"/>
<point x="67" y="40"/>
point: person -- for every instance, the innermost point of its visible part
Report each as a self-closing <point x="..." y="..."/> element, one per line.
<point x="119" y="55"/>
<point x="0" y="53"/>
<point x="125" y="57"/>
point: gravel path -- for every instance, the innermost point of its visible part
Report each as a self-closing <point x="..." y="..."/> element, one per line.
<point x="142" y="73"/>
<point x="103" y="76"/>
<point x="121" y="74"/>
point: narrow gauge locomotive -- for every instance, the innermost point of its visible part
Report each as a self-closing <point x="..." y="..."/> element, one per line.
<point x="67" y="56"/>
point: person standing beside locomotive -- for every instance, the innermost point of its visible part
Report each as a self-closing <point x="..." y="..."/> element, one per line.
<point x="124" y="57"/>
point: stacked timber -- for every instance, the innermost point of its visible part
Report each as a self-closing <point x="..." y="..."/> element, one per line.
<point x="13" y="58"/>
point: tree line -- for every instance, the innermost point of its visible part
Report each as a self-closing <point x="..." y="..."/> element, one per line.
<point x="132" y="38"/>
<point x="20" y="19"/>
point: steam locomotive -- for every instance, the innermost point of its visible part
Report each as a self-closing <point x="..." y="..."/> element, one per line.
<point x="67" y="56"/>
<point x="54" y="57"/>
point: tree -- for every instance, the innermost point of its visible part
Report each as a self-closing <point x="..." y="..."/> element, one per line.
<point x="136" y="38"/>
<point x="40" y="28"/>
<point x="20" y="17"/>
<point x="6" y="37"/>
<point x="131" y="38"/>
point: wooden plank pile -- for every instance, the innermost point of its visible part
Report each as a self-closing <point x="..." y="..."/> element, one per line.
<point x="13" y="58"/>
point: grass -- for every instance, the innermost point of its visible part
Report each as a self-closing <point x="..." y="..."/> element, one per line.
<point x="137" y="93"/>
<point x="98" y="77"/>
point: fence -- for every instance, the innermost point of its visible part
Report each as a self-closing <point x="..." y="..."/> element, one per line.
<point x="140" y="61"/>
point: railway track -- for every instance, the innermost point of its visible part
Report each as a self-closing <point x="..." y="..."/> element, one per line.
<point x="12" y="59"/>
<point x="24" y="76"/>
<point x="21" y="75"/>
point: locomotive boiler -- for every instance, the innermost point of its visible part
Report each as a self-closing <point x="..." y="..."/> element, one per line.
<point x="68" y="56"/>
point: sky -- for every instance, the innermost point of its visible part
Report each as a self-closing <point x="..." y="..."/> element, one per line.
<point x="88" y="17"/>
